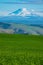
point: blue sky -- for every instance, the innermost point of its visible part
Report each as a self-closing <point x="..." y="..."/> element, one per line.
<point x="7" y="6"/>
<point x="31" y="1"/>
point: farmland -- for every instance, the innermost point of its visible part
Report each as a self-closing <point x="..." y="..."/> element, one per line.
<point x="21" y="49"/>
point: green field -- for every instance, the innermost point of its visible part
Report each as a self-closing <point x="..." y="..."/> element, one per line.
<point x="21" y="49"/>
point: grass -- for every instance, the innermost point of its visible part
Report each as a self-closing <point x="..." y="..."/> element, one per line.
<point x="21" y="49"/>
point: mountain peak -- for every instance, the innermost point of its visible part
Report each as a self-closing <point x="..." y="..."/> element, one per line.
<point x="25" y="12"/>
<point x="20" y="12"/>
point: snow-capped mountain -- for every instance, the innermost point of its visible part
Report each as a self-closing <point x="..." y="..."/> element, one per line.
<point x="25" y="12"/>
<point x="21" y="12"/>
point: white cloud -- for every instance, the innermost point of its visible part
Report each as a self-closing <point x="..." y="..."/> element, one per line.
<point x="40" y="13"/>
<point x="3" y="13"/>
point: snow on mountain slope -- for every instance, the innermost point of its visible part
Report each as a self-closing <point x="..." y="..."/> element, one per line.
<point x="26" y="12"/>
<point x="20" y="12"/>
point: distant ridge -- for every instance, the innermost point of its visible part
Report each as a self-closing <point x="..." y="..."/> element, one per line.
<point x="13" y="28"/>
